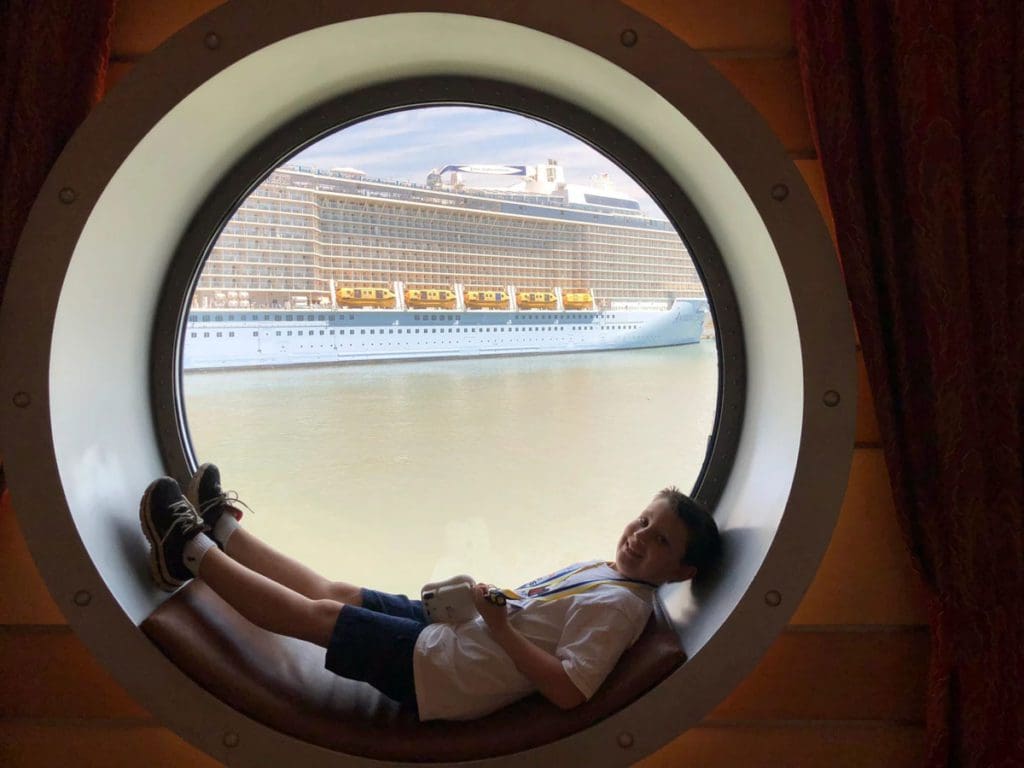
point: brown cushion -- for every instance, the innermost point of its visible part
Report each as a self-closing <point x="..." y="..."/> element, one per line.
<point x="282" y="683"/>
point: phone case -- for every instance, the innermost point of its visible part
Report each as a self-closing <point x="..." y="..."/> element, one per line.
<point x="450" y="600"/>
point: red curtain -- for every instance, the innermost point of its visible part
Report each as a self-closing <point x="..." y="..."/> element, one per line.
<point x="918" y="114"/>
<point x="53" y="60"/>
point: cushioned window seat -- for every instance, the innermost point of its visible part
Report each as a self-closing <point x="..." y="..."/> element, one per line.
<point x="281" y="683"/>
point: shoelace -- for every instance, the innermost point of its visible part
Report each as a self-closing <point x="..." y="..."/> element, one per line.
<point x="229" y="498"/>
<point x="184" y="517"/>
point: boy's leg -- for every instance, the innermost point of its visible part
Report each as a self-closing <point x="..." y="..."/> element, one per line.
<point x="267" y="604"/>
<point x="252" y="552"/>
<point x="180" y="549"/>
<point x="361" y="644"/>
<point x="221" y="516"/>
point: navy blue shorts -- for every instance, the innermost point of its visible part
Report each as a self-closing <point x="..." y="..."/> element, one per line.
<point x="375" y="643"/>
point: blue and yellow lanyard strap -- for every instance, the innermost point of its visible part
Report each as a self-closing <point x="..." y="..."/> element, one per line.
<point x="552" y="591"/>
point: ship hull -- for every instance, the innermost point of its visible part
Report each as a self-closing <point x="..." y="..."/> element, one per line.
<point x="224" y="339"/>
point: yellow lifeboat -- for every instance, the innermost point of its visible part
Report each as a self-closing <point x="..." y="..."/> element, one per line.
<point x="430" y="298"/>
<point x="477" y="299"/>
<point x="536" y="300"/>
<point x="365" y="296"/>
<point x="577" y="300"/>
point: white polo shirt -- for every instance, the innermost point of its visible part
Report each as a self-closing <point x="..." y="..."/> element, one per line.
<point x="461" y="673"/>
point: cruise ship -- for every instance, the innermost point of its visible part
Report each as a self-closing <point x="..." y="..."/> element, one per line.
<point x="332" y="266"/>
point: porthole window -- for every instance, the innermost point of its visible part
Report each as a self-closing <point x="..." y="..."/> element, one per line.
<point x="772" y="451"/>
<point x="645" y="265"/>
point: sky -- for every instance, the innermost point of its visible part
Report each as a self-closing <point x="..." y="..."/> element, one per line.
<point x="407" y="145"/>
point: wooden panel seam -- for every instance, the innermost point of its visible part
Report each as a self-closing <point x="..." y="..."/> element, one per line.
<point x="787" y="52"/>
<point x="92" y="723"/>
<point x="854" y="629"/>
<point x="817" y="723"/>
<point x="761" y="54"/>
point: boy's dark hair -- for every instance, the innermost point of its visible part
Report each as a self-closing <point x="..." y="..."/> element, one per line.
<point x="704" y="545"/>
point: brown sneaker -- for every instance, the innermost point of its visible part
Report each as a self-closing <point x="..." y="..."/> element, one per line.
<point x="210" y="499"/>
<point x="169" y="522"/>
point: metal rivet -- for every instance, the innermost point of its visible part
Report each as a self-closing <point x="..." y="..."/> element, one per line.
<point x="625" y="740"/>
<point x="82" y="598"/>
<point x="831" y="398"/>
<point x="773" y="598"/>
<point x="629" y="37"/>
<point x="67" y="195"/>
<point x="212" y="41"/>
<point x="231" y="739"/>
<point x="780" y="192"/>
<point x="22" y="399"/>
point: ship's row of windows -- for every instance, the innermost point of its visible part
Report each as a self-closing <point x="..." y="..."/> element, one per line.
<point x="280" y="215"/>
<point x="372" y="229"/>
<point x="378" y="203"/>
<point x="493" y="233"/>
<point x="444" y="271"/>
<point x="458" y="266"/>
<point x="304" y="245"/>
<point x="391" y="331"/>
<point x="420" y="317"/>
<point x="444" y="268"/>
<point x="241" y="228"/>
<point x="500" y="247"/>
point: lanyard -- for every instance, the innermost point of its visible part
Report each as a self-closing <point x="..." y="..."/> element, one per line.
<point x="549" y="588"/>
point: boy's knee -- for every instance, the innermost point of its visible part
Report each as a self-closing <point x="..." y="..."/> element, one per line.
<point x="349" y="594"/>
<point x="322" y="616"/>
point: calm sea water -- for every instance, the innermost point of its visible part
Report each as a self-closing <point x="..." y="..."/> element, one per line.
<point x="390" y="475"/>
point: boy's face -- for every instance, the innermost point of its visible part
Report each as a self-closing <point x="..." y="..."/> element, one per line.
<point x="652" y="546"/>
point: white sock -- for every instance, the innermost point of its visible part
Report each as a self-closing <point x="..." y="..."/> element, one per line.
<point x="224" y="528"/>
<point x="194" y="550"/>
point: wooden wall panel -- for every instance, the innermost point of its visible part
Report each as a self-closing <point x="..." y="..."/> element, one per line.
<point x="835" y="675"/>
<point x="95" y="744"/>
<point x="25" y="597"/>
<point x="814" y="177"/>
<point x="794" y="745"/>
<point x="49" y="673"/>
<point x="866" y="575"/>
<point x="773" y="86"/>
<point x="141" y="25"/>
<point x="739" y="26"/>
<point x="867" y="422"/>
<point x="115" y="72"/>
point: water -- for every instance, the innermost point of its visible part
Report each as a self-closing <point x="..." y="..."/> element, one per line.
<point x="390" y="475"/>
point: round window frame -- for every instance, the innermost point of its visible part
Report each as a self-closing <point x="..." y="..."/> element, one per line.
<point x="344" y="111"/>
<point x="67" y="501"/>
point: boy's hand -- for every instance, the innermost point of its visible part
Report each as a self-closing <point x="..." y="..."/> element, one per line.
<point x="542" y="669"/>
<point x="495" y="616"/>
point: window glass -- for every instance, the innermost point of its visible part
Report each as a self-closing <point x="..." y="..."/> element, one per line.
<point x="358" y="454"/>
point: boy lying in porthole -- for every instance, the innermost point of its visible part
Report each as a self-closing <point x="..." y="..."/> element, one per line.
<point x="560" y="634"/>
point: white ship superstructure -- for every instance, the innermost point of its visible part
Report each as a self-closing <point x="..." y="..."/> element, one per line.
<point x="233" y="338"/>
<point x="305" y="237"/>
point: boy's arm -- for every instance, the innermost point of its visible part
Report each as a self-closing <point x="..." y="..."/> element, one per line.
<point x="540" y="667"/>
